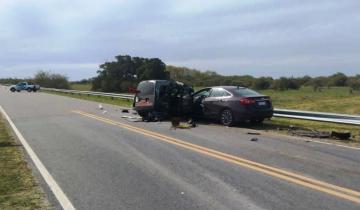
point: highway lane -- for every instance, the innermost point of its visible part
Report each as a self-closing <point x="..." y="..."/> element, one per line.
<point x="102" y="166"/>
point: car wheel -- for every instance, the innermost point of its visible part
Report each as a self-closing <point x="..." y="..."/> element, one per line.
<point x="12" y="89"/>
<point x="226" y="117"/>
<point x="29" y="90"/>
<point x="257" y="121"/>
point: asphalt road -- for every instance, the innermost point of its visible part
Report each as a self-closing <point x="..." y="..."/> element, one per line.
<point x="102" y="161"/>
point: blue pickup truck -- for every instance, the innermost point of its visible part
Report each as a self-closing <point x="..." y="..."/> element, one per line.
<point x="28" y="86"/>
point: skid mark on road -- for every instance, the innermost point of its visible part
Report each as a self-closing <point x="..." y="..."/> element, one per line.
<point x="337" y="191"/>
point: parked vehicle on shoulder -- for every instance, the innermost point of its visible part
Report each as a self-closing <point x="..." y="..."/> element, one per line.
<point x="28" y="86"/>
<point x="231" y="104"/>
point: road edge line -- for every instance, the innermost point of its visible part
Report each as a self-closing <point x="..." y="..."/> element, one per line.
<point x="50" y="181"/>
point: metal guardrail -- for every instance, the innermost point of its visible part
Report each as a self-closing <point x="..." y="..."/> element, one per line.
<point x="113" y="95"/>
<point x="286" y="113"/>
<point x="318" y="116"/>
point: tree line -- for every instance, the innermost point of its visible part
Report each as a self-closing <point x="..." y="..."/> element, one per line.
<point x="211" y="78"/>
<point x="126" y="72"/>
<point x="44" y="79"/>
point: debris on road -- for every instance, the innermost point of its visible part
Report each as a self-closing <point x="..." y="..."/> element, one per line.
<point x="125" y="111"/>
<point x="254" y="139"/>
<point x="341" y="136"/>
<point x="176" y="123"/>
<point x="132" y="118"/>
<point x="101" y="107"/>
<point x="318" y="134"/>
<point x="253" y="133"/>
<point x="310" y="133"/>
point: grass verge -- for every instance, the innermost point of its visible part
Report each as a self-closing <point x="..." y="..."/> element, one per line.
<point x="275" y="124"/>
<point x="18" y="189"/>
<point x="83" y="87"/>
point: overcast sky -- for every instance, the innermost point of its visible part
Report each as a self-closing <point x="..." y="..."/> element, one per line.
<point x="256" y="37"/>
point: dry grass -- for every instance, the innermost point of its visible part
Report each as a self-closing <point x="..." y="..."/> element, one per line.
<point x="18" y="189"/>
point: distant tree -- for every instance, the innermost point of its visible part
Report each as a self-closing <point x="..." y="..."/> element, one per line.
<point x="338" y="79"/>
<point x="127" y="71"/>
<point x="51" y="80"/>
<point x="284" y="83"/>
<point x="354" y="82"/>
<point x="303" y="81"/>
<point x="318" y="82"/>
<point x="262" y="83"/>
<point x="10" y="81"/>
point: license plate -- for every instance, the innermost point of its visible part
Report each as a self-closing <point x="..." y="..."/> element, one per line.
<point x="262" y="103"/>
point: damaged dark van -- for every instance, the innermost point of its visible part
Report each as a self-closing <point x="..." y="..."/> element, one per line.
<point x="157" y="99"/>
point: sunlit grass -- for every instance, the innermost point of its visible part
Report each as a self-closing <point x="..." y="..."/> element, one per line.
<point x="336" y="99"/>
<point x="82" y="87"/>
<point x="18" y="189"/>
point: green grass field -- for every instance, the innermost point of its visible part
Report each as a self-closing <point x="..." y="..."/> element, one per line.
<point x="18" y="189"/>
<point x="82" y="87"/>
<point x="336" y="99"/>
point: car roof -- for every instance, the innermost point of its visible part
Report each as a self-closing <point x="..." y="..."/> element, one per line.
<point x="228" y="87"/>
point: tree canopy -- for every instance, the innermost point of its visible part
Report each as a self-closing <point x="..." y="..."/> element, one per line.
<point x="127" y="71"/>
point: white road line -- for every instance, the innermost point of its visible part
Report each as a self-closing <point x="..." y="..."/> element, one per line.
<point x="59" y="194"/>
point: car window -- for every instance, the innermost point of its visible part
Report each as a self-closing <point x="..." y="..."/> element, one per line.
<point x="218" y="92"/>
<point x="226" y="93"/>
<point x="245" y="92"/>
<point x="146" y="88"/>
<point x="205" y="93"/>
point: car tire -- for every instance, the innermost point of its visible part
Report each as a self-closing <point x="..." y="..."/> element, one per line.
<point x="227" y="117"/>
<point x="13" y="90"/>
<point x="257" y="121"/>
<point x="29" y="90"/>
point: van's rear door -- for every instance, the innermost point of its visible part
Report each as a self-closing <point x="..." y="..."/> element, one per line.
<point x="145" y="98"/>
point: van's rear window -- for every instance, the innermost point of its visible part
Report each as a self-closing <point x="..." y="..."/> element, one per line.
<point x="146" y="88"/>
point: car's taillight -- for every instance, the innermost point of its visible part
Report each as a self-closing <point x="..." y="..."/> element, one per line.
<point x="247" y="101"/>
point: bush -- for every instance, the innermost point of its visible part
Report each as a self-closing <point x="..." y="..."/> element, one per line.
<point x="285" y="84"/>
<point x="50" y="80"/>
<point x="261" y="83"/>
<point x="354" y="82"/>
<point x="338" y="79"/>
